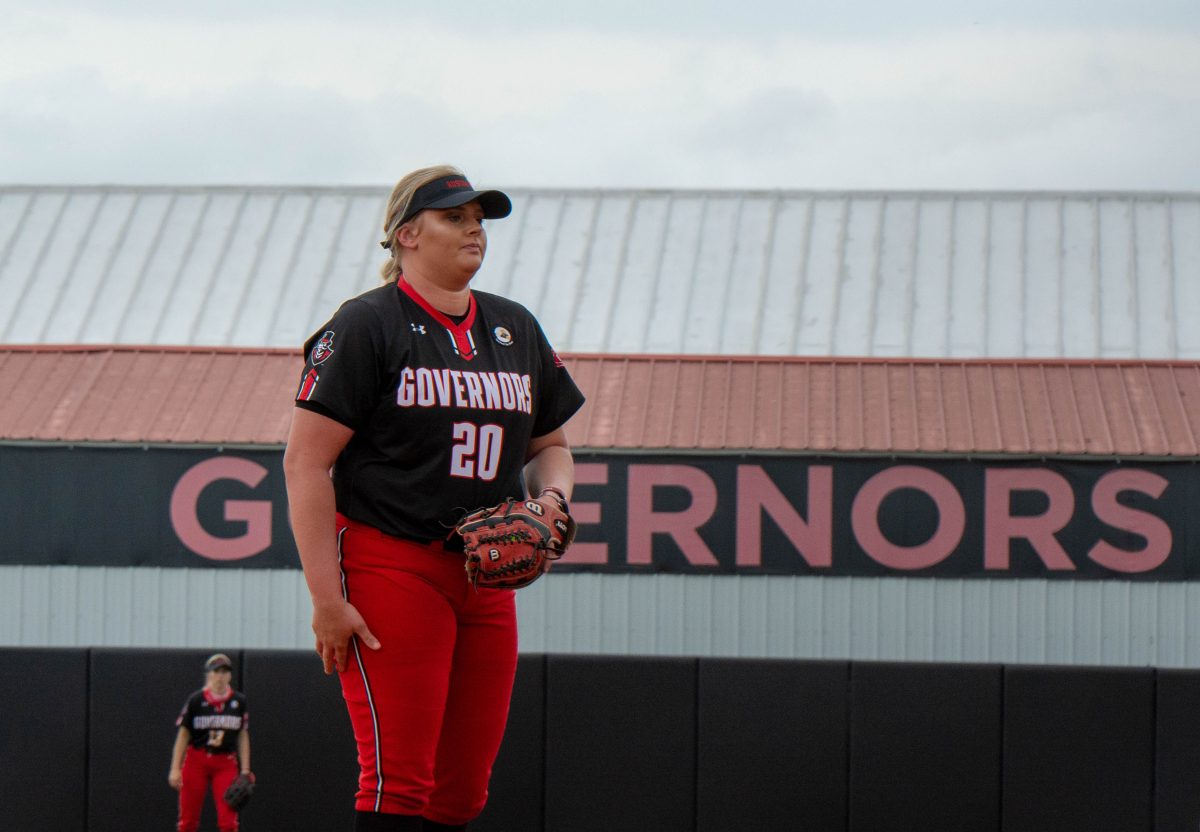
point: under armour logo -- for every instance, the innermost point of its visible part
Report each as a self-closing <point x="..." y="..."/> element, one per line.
<point x="418" y="328"/>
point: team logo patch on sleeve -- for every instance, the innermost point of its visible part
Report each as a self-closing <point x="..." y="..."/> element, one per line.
<point x="323" y="348"/>
<point x="557" y="360"/>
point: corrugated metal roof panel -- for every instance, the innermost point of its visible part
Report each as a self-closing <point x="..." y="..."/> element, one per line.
<point x="155" y="395"/>
<point x="962" y="275"/>
<point x="713" y="403"/>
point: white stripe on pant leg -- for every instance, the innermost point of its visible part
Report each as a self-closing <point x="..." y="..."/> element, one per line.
<point x="367" y="687"/>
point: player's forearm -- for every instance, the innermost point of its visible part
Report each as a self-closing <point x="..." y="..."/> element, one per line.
<point x="244" y="751"/>
<point x="179" y="749"/>
<point x="311" y="506"/>
<point x="551" y="467"/>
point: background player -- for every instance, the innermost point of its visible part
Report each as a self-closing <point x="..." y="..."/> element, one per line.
<point x="213" y="738"/>
<point x="426" y="399"/>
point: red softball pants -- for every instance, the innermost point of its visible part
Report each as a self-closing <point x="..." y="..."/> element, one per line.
<point x="202" y="769"/>
<point x="429" y="707"/>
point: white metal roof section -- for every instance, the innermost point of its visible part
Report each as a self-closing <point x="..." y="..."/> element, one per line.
<point x="1091" y="275"/>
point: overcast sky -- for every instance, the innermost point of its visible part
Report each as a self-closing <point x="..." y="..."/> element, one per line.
<point x="926" y="94"/>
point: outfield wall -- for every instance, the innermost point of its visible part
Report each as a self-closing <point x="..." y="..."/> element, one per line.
<point x="608" y="742"/>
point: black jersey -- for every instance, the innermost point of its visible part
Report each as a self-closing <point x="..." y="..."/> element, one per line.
<point x="442" y="411"/>
<point x="214" y="723"/>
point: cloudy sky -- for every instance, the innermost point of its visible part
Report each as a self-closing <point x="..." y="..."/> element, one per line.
<point x="929" y="94"/>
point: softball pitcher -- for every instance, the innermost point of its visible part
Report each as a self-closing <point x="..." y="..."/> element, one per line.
<point x="426" y="399"/>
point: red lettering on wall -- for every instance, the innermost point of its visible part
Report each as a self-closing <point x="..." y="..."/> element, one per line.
<point x="644" y="522"/>
<point x="588" y="473"/>
<point x="256" y="514"/>
<point x="1000" y="527"/>
<point x="952" y="517"/>
<point x="756" y="493"/>
<point x="1154" y="529"/>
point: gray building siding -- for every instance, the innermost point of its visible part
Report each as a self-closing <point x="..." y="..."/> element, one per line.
<point x="897" y="619"/>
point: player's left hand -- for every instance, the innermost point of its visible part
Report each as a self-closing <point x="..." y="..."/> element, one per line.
<point x="510" y="546"/>
<point x="240" y="791"/>
<point x="334" y="624"/>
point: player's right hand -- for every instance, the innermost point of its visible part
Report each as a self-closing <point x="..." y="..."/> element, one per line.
<point x="175" y="778"/>
<point x="334" y="623"/>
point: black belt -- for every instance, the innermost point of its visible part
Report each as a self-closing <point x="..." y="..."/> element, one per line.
<point x="453" y="543"/>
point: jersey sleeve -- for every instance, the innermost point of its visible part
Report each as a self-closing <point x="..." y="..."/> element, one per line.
<point x="342" y="366"/>
<point x="182" y="721"/>
<point x="559" y="396"/>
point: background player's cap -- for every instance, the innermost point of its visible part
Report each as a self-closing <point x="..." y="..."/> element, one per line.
<point x="449" y="192"/>
<point x="217" y="660"/>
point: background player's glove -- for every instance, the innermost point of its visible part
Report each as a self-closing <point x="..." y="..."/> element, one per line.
<point x="239" y="792"/>
<point x="510" y="545"/>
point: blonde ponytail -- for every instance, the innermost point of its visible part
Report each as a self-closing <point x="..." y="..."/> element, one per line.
<point x="397" y="206"/>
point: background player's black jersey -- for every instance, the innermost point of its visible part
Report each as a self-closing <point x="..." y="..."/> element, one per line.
<point x="442" y="411"/>
<point x="214" y="723"/>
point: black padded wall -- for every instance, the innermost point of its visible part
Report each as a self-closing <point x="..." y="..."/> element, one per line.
<point x="620" y="743"/>
<point x="925" y="747"/>
<point x="43" y="738"/>
<point x="1177" y="737"/>
<point x="301" y="744"/>
<point x="771" y="738"/>
<point x="1078" y="749"/>
<point x="516" y="793"/>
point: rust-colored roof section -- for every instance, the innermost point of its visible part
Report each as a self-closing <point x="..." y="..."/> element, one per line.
<point x="1026" y="407"/>
<point x="147" y="394"/>
<point x="1056" y="407"/>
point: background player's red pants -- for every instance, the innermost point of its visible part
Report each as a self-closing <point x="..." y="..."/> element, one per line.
<point x="200" y="770"/>
<point x="429" y="707"/>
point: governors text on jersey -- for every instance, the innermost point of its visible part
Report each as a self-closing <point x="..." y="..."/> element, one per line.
<point x="424" y="387"/>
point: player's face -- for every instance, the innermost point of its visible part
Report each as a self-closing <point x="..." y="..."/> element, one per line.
<point x="218" y="680"/>
<point x="452" y="240"/>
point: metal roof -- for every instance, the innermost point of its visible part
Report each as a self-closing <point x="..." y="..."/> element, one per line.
<point x="692" y="403"/>
<point x="1086" y="408"/>
<point x="147" y="395"/>
<point x="929" y="274"/>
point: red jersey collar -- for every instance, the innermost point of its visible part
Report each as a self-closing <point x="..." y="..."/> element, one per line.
<point x="457" y="331"/>
<point x="213" y="699"/>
